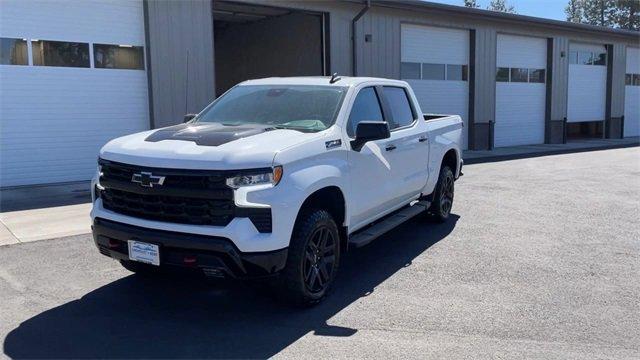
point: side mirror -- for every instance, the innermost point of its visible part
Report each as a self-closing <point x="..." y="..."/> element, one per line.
<point x="188" y="117"/>
<point x="369" y="131"/>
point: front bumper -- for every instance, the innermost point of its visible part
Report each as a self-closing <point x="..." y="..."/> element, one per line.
<point x="214" y="255"/>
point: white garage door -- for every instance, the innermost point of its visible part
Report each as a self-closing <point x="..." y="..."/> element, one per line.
<point x="587" y="82"/>
<point x="435" y="62"/>
<point x="72" y="78"/>
<point x="632" y="94"/>
<point x="520" y="90"/>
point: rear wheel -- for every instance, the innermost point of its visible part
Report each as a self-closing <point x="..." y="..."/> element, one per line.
<point x="313" y="259"/>
<point x="442" y="196"/>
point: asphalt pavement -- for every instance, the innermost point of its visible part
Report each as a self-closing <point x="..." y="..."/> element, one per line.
<point x="541" y="260"/>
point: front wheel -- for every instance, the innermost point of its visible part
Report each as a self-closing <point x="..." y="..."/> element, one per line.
<point x="442" y="196"/>
<point x="313" y="259"/>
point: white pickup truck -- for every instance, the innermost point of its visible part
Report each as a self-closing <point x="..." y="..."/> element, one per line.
<point x="276" y="178"/>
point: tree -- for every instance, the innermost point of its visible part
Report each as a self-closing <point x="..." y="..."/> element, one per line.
<point x="501" y="6"/>
<point x="628" y="15"/>
<point x="471" y="4"/>
<point x="574" y="11"/>
<point x="600" y="12"/>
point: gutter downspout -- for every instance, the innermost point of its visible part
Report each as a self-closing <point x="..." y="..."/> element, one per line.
<point x="354" y="42"/>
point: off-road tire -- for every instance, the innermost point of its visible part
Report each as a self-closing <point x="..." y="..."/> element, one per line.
<point x="442" y="201"/>
<point x="294" y="281"/>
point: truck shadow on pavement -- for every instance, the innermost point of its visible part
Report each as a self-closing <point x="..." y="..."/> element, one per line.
<point x="146" y="318"/>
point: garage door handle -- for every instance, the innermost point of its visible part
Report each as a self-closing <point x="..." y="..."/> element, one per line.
<point x="423" y="139"/>
<point x="390" y="147"/>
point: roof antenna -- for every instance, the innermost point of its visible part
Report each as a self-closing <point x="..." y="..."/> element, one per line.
<point x="334" y="78"/>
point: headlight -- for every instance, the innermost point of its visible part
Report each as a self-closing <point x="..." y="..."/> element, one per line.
<point x="272" y="177"/>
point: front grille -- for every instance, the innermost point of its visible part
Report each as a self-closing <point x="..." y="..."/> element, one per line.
<point x="197" y="197"/>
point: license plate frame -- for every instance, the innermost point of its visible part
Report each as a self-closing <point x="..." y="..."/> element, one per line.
<point x="144" y="252"/>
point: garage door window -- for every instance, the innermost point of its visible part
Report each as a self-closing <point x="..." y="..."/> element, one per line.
<point x="13" y="51"/>
<point x="60" y="53"/>
<point x="401" y="111"/>
<point x="457" y="72"/>
<point x="519" y="75"/>
<point x="588" y="58"/>
<point x="502" y="75"/>
<point x="366" y="107"/>
<point x="409" y="70"/>
<point x="433" y="71"/>
<point x="118" y="57"/>
<point x="632" y="79"/>
<point x="536" y="75"/>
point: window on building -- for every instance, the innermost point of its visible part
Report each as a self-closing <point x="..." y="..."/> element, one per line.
<point x="585" y="58"/>
<point x="401" y="112"/>
<point x="457" y="72"/>
<point x="118" y="57"/>
<point x="600" y="59"/>
<point x="573" y="57"/>
<point x="366" y="107"/>
<point x="60" y="53"/>
<point x="636" y="80"/>
<point x="536" y="75"/>
<point x="410" y="70"/>
<point x="628" y="79"/>
<point x="519" y="75"/>
<point x="502" y="75"/>
<point x="433" y="71"/>
<point x="13" y="51"/>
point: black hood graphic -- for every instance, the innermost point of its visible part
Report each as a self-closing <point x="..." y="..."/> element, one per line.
<point x="212" y="134"/>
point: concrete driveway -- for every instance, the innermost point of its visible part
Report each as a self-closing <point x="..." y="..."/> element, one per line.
<point x="541" y="260"/>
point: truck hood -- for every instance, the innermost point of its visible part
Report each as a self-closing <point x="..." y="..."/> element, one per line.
<point x="204" y="146"/>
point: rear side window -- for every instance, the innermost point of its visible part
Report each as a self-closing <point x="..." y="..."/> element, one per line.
<point x="366" y="107"/>
<point x="401" y="111"/>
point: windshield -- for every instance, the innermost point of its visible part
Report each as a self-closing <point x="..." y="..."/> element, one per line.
<point x="299" y="107"/>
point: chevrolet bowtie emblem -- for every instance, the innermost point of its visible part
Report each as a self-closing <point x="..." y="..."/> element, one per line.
<point x="147" y="179"/>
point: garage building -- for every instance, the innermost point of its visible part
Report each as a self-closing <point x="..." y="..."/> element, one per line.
<point x="75" y="74"/>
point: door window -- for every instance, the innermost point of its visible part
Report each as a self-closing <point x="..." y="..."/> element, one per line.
<point x="366" y="107"/>
<point x="401" y="112"/>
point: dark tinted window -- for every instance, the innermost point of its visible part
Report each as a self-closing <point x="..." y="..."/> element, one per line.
<point x="636" y="79"/>
<point x="13" y="51"/>
<point x="118" y="57"/>
<point x="60" y="53"/>
<point x="536" y="75"/>
<point x="519" y="75"/>
<point x="401" y="112"/>
<point x="409" y="70"/>
<point x="366" y="107"/>
<point x="600" y="59"/>
<point x="628" y="79"/>
<point x="457" y="72"/>
<point x="502" y="75"/>
<point x="433" y="71"/>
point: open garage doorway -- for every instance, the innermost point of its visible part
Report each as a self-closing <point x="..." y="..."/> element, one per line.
<point x="255" y="41"/>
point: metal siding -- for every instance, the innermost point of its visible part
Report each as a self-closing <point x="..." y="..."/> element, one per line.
<point x="175" y="28"/>
<point x="618" y="73"/>
<point x="485" y="87"/>
<point x="560" y="71"/>
<point x="632" y="95"/>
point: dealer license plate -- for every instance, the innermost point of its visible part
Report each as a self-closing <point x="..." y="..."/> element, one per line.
<point x="144" y="252"/>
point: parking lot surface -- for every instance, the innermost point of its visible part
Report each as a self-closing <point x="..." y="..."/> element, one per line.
<point x="541" y="259"/>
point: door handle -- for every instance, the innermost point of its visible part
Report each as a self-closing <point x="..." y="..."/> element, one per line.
<point x="423" y="139"/>
<point x="390" y="147"/>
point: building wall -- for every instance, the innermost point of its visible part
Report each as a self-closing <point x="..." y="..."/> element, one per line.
<point x="180" y="48"/>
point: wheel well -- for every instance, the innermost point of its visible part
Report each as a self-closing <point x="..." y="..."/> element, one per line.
<point x="330" y="199"/>
<point x="450" y="159"/>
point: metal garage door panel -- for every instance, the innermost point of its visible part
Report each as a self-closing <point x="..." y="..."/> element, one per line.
<point x="55" y="119"/>
<point x="587" y="88"/>
<point x="520" y="107"/>
<point x="434" y="45"/>
<point x="632" y="96"/>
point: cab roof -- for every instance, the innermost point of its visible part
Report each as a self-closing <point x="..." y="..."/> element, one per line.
<point x="321" y="80"/>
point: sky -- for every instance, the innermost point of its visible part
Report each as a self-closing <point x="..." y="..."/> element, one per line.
<point x="549" y="9"/>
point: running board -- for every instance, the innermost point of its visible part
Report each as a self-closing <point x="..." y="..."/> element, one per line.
<point x="363" y="237"/>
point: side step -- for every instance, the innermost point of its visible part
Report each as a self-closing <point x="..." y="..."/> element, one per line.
<point x="387" y="223"/>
